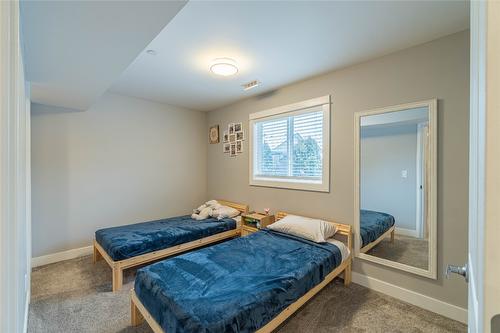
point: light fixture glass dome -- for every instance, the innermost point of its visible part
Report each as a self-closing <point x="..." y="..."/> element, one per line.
<point x="224" y="67"/>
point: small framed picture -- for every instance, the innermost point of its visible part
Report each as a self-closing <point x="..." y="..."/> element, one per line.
<point x="226" y="137"/>
<point x="213" y="134"/>
<point x="231" y="128"/>
<point x="232" y="138"/>
<point x="238" y="127"/>
<point x="240" y="136"/>
<point x="227" y="148"/>
<point x="232" y="151"/>
<point x="239" y="147"/>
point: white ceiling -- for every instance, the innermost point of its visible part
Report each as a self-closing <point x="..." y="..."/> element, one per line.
<point x="276" y="43"/>
<point x="74" y="50"/>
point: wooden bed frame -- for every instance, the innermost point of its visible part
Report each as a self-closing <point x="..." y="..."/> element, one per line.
<point x="118" y="266"/>
<point x="389" y="232"/>
<point x="140" y="313"/>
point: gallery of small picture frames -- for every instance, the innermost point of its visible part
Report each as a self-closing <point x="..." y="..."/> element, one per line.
<point x="233" y="139"/>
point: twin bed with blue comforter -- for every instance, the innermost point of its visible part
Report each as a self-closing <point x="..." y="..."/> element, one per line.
<point x="129" y="241"/>
<point x="247" y="284"/>
<point x="374" y="226"/>
<point x="135" y="244"/>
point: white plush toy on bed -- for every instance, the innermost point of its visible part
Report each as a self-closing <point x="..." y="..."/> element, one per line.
<point x="213" y="209"/>
<point x="205" y="210"/>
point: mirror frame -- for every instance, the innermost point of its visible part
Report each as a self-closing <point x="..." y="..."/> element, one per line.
<point x="431" y="104"/>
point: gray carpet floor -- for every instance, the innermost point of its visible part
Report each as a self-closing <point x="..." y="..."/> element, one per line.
<point x="406" y="250"/>
<point x="75" y="296"/>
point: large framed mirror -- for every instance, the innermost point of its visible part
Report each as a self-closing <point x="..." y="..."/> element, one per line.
<point x="395" y="187"/>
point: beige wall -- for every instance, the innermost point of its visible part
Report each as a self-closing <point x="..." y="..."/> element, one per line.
<point x="124" y="160"/>
<point x="437" y="69"/>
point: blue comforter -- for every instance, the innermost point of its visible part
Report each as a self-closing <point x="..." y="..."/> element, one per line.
<point x="373" y="225"/>
<point x="236" y="286"/>
<point x="135" y="239"/>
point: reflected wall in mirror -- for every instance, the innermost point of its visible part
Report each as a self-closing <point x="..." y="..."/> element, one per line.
<point x="396" y="186"/>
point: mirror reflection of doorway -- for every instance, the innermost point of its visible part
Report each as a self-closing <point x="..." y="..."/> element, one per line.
<point x="393" y="182"/>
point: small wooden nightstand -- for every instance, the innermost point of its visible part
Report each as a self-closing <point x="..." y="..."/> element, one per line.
<point x="252" y="222"/>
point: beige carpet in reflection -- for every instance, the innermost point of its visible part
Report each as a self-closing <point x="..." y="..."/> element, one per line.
<point x="406" y="250"/>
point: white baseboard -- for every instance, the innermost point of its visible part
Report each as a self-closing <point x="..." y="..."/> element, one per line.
<point x="60" y="256"/>
<point x="406" y="232"/>
<point x="445" y="309"/>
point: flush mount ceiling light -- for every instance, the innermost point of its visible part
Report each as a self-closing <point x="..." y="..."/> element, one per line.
<point x="224" y="67"/>
<point x="151" y="52"/>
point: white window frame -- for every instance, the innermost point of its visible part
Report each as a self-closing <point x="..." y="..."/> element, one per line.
<point x="294" y="183"/>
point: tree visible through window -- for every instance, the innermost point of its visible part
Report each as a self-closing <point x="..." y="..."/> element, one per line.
<point x="306" y="158"/>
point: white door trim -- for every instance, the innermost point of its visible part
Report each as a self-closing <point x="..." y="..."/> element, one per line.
<point x="477" y="125"/>
<point x="491" y="229"/>
<point x="14" y="174"/>
<point x="420" y="168"/>
<point x="7" y="100"/>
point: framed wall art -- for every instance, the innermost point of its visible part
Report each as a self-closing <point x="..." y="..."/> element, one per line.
<point x="213" y="134"/>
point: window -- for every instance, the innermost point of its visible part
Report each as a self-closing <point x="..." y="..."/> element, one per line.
<point x="289" y="146"/>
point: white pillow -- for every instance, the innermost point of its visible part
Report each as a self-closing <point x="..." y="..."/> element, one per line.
<point x="225" y="211"/>
<point x="311" y="229"/>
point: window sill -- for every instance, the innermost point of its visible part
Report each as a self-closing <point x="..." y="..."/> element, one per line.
<point x="291" y="184"/>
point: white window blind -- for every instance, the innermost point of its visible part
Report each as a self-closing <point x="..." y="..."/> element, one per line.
<point x="289" y="147"/>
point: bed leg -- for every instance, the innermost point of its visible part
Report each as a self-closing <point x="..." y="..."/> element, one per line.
<point x="347" y="275"/>
<point x="117" y="278"/>
<point x="135" y="315"/>
<point x="392" y="236"/>
<point x="97" y="256"/>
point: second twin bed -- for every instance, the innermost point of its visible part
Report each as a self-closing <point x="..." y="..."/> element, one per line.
<point x="247" y="284"/>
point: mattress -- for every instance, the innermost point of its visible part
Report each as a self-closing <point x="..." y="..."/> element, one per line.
<point x="373" y="225"/>
<point x="235" y="286"/>
<point x="131" y="240"/>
